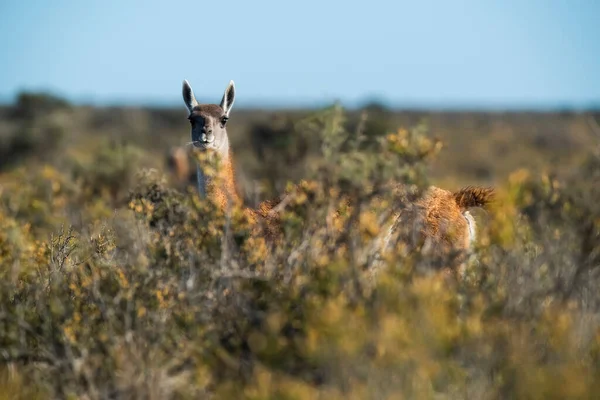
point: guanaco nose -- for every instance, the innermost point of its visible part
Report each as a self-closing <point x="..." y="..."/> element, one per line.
<point x="206" y="135"/>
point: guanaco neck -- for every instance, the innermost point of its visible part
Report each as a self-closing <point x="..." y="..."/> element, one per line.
<point x="222" y="187"/>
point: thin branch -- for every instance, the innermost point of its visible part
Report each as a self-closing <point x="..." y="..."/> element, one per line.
<point x="26" y="358"/>
<point x="281" y="206"/>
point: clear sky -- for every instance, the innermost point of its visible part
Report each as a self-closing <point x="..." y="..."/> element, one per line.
<point x="455" y="53"/>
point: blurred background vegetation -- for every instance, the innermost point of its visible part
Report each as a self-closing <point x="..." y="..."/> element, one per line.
<point x="118" y="282"/>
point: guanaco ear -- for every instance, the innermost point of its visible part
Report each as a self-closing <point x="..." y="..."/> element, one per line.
<point x="188" y="96"/>
<point x="228" y="98"/>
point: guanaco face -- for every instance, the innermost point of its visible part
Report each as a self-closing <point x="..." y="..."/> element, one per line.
<point x="209" y="121"/>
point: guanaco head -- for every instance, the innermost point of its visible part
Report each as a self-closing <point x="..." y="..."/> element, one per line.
<point x="208" y="121"/>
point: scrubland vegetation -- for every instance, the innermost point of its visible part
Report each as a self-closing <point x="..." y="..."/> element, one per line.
<point x="116" y="282"/>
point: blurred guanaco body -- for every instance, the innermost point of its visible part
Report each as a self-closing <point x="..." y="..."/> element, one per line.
<point x="440" y="224"/>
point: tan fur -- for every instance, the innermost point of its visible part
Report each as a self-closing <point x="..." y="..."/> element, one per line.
<point x="223" y="189"/>
<point x="439" y="224"/>
<point x="444" y="222"/>
<point x="180" y="164"/>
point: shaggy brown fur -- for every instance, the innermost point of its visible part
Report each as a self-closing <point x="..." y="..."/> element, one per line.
<point x="180" y="164"/>
<point x="470" y="196"/>
<point x="439" y="224"/>
<point x="224" y="189"/>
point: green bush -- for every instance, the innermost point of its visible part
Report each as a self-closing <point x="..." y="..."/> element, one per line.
<point x="109" y="173"/>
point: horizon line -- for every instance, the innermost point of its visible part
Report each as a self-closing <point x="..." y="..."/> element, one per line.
<point x="318" y="103"/>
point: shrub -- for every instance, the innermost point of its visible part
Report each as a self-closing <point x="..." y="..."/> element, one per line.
<point x="170" y="296"/>
<point x="110" y="173"/>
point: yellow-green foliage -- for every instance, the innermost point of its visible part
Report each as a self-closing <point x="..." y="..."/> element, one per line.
<point x="116" y="285"/>
<point x="17" y="247"/>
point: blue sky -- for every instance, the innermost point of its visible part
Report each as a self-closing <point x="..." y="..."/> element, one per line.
<point x="475" y="53"/>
